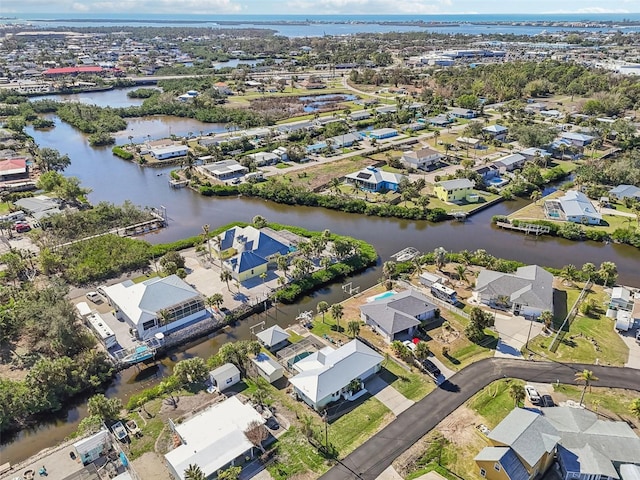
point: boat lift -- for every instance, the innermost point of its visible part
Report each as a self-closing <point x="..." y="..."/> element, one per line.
<point x="139" y="353"/>
<point x="349" y="289"/>
<point x="406" y="254"/>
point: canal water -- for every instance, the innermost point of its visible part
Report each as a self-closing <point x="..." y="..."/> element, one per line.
<point x="115" y="180"/>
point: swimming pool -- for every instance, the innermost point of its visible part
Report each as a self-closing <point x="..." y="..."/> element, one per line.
<point x="380" y="296"/>
<point x="498" y="181"/>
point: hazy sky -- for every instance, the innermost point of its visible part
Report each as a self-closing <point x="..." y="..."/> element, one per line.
<point x="311" y="7"/>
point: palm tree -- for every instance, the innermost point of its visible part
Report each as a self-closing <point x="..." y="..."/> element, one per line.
<point x="634" y="408"/>
<point x="516" y="391"/>
<point x="422" y="351"/>
<point x="536" y="195"/>
<point x="608" y="272"/>
<point x="215" y="300"/>
<point x="440" y="257"/>
<point x="194" y="472"/>
<point x="282" y="262"/>
<point x="461" y="270"/>
<point x="205" y="237"/>
<point x="547" y="318"/>
<point x="263" y="277"/>
<point x="587" y="377"/>
<point x="337" y="311"/>
<point x="388" y="269"/>
<point x="436" y="135"/>
<point x="569" y="273"/>
<point x="225" y="276"/>
<point x="322" y="308"/>
<point x="353" y="328"/>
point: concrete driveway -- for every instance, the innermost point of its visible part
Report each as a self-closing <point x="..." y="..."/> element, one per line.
<point x="389" y="396"/>
<point x="629" y="338"/>
<point x="513" y="333"/>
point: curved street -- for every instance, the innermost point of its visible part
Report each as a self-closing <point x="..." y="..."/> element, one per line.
<point x="376" y="454"/>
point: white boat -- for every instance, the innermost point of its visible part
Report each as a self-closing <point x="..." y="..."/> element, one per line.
<point x="133" y="428"/>
<point x="119" y="431"/>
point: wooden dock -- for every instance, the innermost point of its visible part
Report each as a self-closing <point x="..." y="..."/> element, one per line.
<point x="526" y="228"/>
<point x="178" y="183"/>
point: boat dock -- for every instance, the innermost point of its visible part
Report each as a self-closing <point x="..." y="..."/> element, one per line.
<point x="526" y="228"/>
<point x="178" y="183"/>
<point x="139" y="353"/>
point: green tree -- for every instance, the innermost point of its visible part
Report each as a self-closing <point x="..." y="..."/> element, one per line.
<point x="230" y="473"/>
<point x="49" y="159"/>
<point x="215" y="300"/>
<point x="547" y="318"/>
<point x="422" y="351"/>
<point x="440" y="257"/>
<point x="516" y="391"/>
<point x="461" y="270"/>
<point x="259" y="221"/>
<point x="194" y="472"/>
<point x="256" y="433"/>
<point x="587" y="377"/>
<point x="353" y="328"/>
<point x="337" y="311"/>
<point x="225" y="276"/>
<point x="608" y="272"/>
<point x="103" y="407"/>
<point x="634" y="408"/>
<point x="322" y="307"/>
<point x="191" y="370"/>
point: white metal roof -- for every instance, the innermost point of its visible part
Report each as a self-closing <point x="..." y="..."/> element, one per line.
<point x="272" y="336"/>
<point x="87" y="444"/>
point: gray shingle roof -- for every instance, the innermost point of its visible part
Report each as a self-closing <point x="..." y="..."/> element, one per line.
<point x="398" y="313"/>
<point x="530" y="285"/>
<point x="272" y="336"/>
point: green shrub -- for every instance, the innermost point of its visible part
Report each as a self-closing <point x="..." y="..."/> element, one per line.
<point x="122" y="153"/>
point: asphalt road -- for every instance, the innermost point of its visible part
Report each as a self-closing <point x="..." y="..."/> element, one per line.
<point x="377" y="453"/>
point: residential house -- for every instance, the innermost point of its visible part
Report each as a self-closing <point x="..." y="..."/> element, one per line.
<point x="359" y="115"/>
<point x="551" y="113"/>
<point x="496" y="132"/>
<point x="214" y="439"/>
<point x="577" y="139"/>
<point x="157" y="305"/>
<point x="527" y="292"/>
<point x="13" y="169"/>
<point x="522" y="447"/>
<point x="535" y="107"/>
<point x="510" y="162"/>
<point x="462" y="113"/>
<point x="296" y="127"/>
<point x="386" y="109"/>
<point x="382" y="133"/>
<point x="622" y="298"/>
<point x="397" y="316"/>
<point x="344" y="140"/>
<point x="39" y="206"/>
<point x="625" y="191"/>
<point x="89" y="449"/>
<point x="469" y="142"/>
<point x="224" y="170"/>
<point x="323" y="121"/>
<point x="326" y="376"/>
<point x="532" y="153"/>
<point x="573" y="206"/>
<point x="169" y="151"/>
<point x="282" y="153"/>
<point x="267" y="367"/>
<point x="224" y="376"/>
<point x="273" y="338"/>
<point x="263" y="159"/>
<point x="423" y="159"/>
<point x="374" y="180"/>
<point x="454" y="190"/>
<point x="487" y="172"/>
<point x="223" y="88"/>
<point x="440" y="121"/>
<point x="247" y="251"/>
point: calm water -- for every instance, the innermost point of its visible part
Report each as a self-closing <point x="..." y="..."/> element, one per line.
<point x="116" y="180"/>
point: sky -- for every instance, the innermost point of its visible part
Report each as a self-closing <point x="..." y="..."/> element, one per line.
<point x="316" y="7"/>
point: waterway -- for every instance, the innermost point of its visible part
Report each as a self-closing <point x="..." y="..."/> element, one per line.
<point x="115" y="180"/>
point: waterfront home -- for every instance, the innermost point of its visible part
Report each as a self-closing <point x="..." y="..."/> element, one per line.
<point x="224" y="170"/>
<point x="288" y="128"/>
<point x="157" y="305"/>
<point x="39" y="206"/>
<point x="263" y="159"/>
<point x="496" y="132"/>
<point x="359" y="115"/>
<point x="573" y="206"/>
<point x="386" y="109"/>
<point x="397" y="316"/>
<point x="625" y="191"/>
<point x="528" y="291"/>
<point x="343" y="141"/>
<point x="247" y="251"/>
<point x="462" y="113"/>
<point x="382" y="133"/>
<point x="373" y="179"/>
<point x="577" y="139"/>
<point x="454" y="190"/>
<point x="273" y="338"/>
<point x="526" y="443"/>
<point x="214" y="439"/>
<point x="427" y="279"/>
<point x="90" y="449"/>
<point x="169" y="151"/>
<point x="622" y="298"/>
<point x="487" y="172"/>
<point x="423" y="159"/>
<point x="510" y="162"/>
<point x="328" y="375"/>
<point x="225" y="376"/>
<point x="13" y="169"/>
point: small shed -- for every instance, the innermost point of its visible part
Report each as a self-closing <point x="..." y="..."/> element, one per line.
<point x="225" y="376"/>
<point x="90" y="449"/>
<point x="427" y="279"/>
<point x="273" y="338"/>
<point x="268" y="368"/>
<point x="83" y="309"/>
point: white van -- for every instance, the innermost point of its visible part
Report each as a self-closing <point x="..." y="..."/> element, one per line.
<point x="94" y="297"/>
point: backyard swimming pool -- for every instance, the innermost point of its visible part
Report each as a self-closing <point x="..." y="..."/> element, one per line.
<point x="380" y="296"/>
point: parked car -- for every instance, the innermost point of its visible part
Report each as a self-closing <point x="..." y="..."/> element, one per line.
<point x="638" y="336"/>
<point x="94" y="297"/>
<point x="532" y="394"/>
<point x="410" y="345"/>
<point x="22" y="228"/>
<point x="547" y="401"/>
<point x="431" y="368"/>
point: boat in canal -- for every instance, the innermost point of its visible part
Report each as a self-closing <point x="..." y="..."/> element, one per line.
<point x="119" y="431"/>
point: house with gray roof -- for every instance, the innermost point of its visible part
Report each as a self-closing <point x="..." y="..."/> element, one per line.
<point x="527" y="292"/>
<point x="423" y="159"/>
<point x="625" y="191"/>
<point x="273" y="338"/>
<point x="223" y="170"/>
<point x="496" y="132"/>
<point x="573" y="206"/>
<point x="157" y="305"/>
<point x="374" y="180"/>
<point x="397" y="316"/>
<point x="510" y="162"/>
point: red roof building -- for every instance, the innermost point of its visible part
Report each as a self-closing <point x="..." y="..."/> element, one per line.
<point x="52" y="72"/>
<point x="13" y="168"/>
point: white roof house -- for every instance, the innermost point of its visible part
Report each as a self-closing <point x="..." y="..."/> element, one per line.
<point x="169" y="151"/>
<point x="264" y="158"/>
<point x="214" y="438"/>
<point x="140" y="304"/>
<point x="90" y="448"/>
<point x="573" y="206"/>
<point x="273" y="336"/>
<point x="224" y="169"/>
<point x="422" y="158"/>
<point x="326" y="373"/>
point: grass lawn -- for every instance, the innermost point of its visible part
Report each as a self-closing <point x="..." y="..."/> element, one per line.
<point x="295" y="456"/>
<point x="614" y="400"/>
<point x="294" y="337"/>
<point x="4" y="207"/>
<point x="283" y="165"/>
<point x="465" y="207"/>
<point x="413" y="385"/>
<point x="150" y="431"/>
<point x="493" y="402"/>
<point x="354" y="428"/>
<point x="579" y="343"/>
<point x="315" y="175"/>
<point x="142" y="278"/>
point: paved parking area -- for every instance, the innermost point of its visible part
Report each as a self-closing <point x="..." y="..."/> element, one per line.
<point x="514" y="332"/>
<point x="389" y="396"/>
<point x="389" y="474"/>
<point x="634" y="348"/>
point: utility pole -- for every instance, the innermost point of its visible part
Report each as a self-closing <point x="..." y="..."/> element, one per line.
<point x="326" y="432"/>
